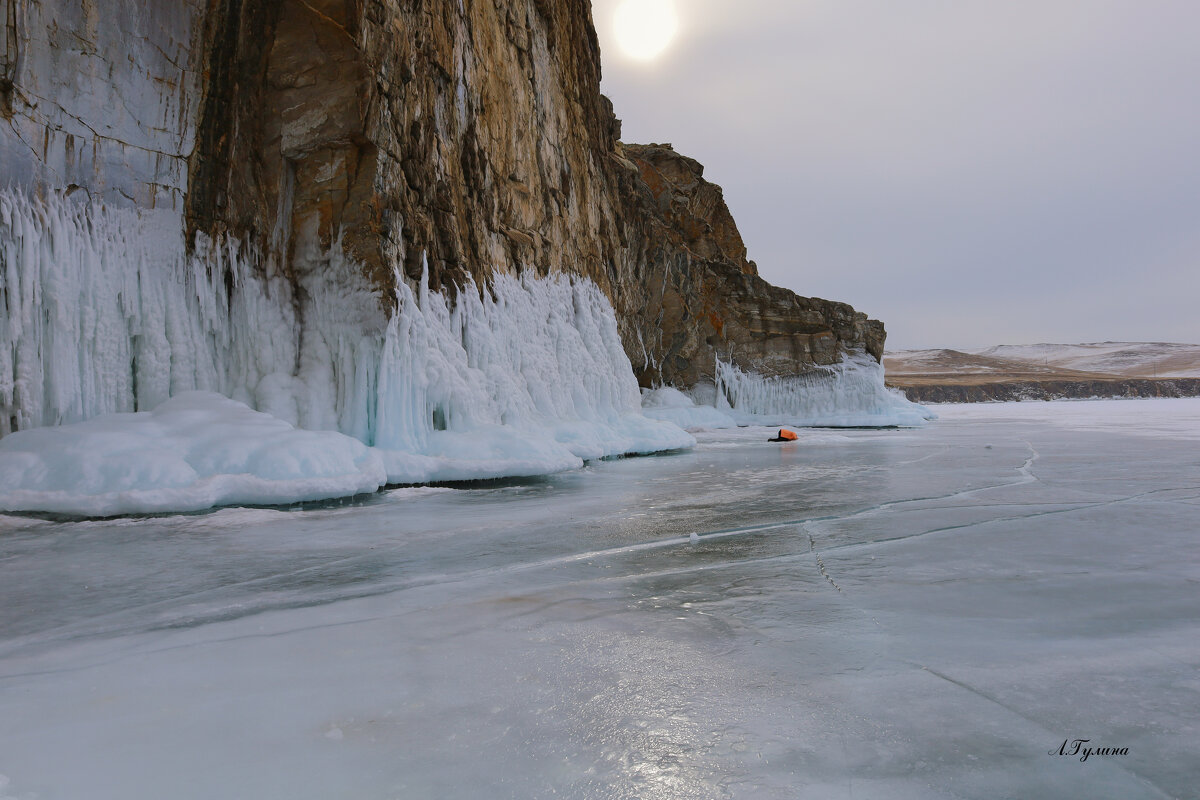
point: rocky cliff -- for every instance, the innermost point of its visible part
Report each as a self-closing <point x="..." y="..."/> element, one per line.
<point x="472" y="133"/>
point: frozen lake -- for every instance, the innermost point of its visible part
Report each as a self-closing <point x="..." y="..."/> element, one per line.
<point x="863" y="614"/>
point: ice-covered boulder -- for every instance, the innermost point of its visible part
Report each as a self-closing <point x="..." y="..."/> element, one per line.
<point x="669" y="404"/>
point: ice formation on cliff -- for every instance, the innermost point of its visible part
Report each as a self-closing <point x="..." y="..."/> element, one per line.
<point x="527" y="379"/>
<point x="103" y="311"/>
<point x="848" y="394"/>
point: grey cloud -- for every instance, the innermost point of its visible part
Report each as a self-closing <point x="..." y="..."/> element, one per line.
<point x="972" y="173"/>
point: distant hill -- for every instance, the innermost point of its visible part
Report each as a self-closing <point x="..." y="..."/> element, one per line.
<point x="1046" y="371"/>
<point x="1128" y="359"/>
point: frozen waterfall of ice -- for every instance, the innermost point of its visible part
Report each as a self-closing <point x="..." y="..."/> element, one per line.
<point x="104" y="311"/>
<point x="528" y="378"/>
<point x="845" y="395"/>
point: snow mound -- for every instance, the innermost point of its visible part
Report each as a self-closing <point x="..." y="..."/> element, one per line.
<point x="666" y="397"/>
<point x="193" y="452"/>
<point x="850" y="394"/>
<point x="671" y="405"/>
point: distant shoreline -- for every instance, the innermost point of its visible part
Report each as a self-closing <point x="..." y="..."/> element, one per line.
<point x="1008" y="373"/>
<point x="979" y="389"/>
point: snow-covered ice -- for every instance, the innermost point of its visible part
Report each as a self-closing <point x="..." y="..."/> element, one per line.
<point x="1163" y="417"/>
<point x="193" y="452"/>
<point x="864" y="613"/>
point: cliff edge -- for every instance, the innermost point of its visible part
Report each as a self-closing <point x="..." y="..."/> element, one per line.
<point x="471" y="135"/>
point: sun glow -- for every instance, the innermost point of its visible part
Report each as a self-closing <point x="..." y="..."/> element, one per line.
<point x="644" y="28"/>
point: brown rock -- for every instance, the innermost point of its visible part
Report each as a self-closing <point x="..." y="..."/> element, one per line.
<point x="476" y="133"/>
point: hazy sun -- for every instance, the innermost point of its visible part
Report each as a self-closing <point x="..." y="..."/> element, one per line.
<point x="644" y="28"/>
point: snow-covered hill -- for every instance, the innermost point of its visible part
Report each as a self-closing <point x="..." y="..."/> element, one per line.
<point x="953" y="362"/>
<point x="1051" y="361"/>
<point x="1127" y="359"/>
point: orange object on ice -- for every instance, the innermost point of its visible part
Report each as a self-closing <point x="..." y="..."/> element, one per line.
<point x="785" y="436"/>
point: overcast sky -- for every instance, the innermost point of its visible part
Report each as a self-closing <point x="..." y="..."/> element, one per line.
<point x="972" y="172"/>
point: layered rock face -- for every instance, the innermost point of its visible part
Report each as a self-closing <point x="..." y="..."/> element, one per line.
<point x="690" y="295"/>
<point x="473" y="133"/>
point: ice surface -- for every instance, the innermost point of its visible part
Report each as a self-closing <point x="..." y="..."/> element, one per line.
<point x="849" y="394"/>
<point x="195" y="451"/>
<point x="1163" y="417"/>
<point x="866" y="613"/>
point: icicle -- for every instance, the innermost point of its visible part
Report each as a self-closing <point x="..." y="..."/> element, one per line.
<point x="530" y="377"/>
